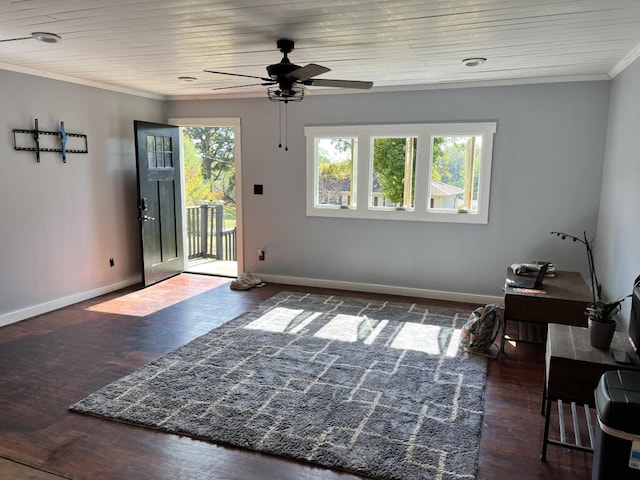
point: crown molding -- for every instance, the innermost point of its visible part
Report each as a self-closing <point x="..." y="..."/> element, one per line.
<point x="625" y="62"/>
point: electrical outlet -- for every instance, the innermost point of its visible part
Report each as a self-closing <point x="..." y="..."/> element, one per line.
<point x="112" y="262"/>
<point x="261" y="254"/>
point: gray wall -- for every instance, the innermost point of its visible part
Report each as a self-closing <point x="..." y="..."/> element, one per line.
<point x="60" y="223"/>
<point x="618" y="245"/>
<point x="546" y="175"/>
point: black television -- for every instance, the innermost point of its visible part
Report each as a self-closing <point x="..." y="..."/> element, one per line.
<point x="634" y="319"/>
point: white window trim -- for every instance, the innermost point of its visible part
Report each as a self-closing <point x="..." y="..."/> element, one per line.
<point x="424" y="132"/>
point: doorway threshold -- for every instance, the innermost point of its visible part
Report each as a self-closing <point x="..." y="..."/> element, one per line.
<point x="220" y="268"/>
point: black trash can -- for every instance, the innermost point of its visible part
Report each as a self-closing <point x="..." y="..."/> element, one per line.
<point x="616" y="452"/>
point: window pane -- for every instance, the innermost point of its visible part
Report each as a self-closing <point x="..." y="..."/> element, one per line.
<point x="455" y="173"/>
<point x="167" y="153"/>
<point x="151" y="148"/>
<point x="159" y="153"/>
<point x="335" y="182"/>
<point x="393" y="173"/>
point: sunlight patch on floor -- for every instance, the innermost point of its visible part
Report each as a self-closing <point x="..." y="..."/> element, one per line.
<point x="354" y="328"/>
<point x="160" y="295"/>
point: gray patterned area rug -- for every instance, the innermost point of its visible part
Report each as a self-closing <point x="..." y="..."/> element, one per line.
<point x="379" y="389"/>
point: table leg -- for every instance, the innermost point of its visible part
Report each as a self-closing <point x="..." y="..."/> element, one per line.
<point x="545" y="439"/>
<point x="504" y="334"/>
<point x="544" y="393"/>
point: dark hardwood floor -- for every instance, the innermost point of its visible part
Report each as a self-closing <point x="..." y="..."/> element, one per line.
<point x="53" y="360"/>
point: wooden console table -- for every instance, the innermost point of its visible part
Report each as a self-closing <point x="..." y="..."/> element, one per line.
<point x="572" y="371"/>
<point x="564" y="301"/>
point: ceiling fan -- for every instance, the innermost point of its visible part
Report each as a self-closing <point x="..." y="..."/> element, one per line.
<point x="286" y="80"/>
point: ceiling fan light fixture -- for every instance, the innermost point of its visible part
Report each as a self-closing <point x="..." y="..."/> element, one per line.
<point x="276" y="94"/>
<point x="473" y="61"/>
<point x="46" y="37"/>
<point x="187" y="79"/>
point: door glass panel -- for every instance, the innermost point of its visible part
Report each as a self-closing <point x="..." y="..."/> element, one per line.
<point x="168" y="159"/>
<point x="151" y="148"/>
<point x="159" y="152"/>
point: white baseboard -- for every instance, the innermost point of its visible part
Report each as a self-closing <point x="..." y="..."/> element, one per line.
<point x="46" y="307"/>
<point x="386" y="289"/>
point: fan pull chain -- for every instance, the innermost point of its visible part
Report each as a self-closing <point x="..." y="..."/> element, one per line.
<point x="280" y="124"/>
<point x="286" y="128"/>
<point x="286" y="124"/>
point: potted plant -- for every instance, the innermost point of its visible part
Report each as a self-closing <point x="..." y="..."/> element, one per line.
<point x="602" y="322"/>
<point x="600" y="314"/>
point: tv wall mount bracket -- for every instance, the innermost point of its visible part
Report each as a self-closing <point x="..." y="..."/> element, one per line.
<point x="51" y="142"/>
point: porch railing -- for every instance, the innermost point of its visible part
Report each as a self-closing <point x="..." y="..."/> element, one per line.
<point x="206" y="235"/>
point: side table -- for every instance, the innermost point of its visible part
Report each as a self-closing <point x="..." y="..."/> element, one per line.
<point x="564" y="301"/>
<point x="572" y="371"/>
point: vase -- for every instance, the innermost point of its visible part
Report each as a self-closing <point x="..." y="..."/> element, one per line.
<point x="601" y="334"/>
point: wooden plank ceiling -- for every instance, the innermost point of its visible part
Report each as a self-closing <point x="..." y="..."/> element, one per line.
<point x="145" y="45"/>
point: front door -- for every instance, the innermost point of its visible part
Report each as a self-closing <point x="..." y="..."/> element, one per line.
<point x="159" y="200"/>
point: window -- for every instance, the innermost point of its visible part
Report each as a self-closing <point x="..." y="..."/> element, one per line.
<point x="159" y="152"/>
<point x="423" y="172"/>
<point x="393" y="172"/>
<point x="334" y="186"/>
<point x="455" y="169"/>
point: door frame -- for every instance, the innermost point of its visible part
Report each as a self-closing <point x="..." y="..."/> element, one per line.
<point x="233" y="122"/>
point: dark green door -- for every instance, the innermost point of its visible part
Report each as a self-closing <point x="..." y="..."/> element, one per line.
<point x="159" y="200"/>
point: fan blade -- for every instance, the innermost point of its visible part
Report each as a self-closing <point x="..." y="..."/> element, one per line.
<point x="239" y="75"/>
<point x="247" y="85"/>
<point x="323" y="82"/>
<point x="308" y="71"/>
